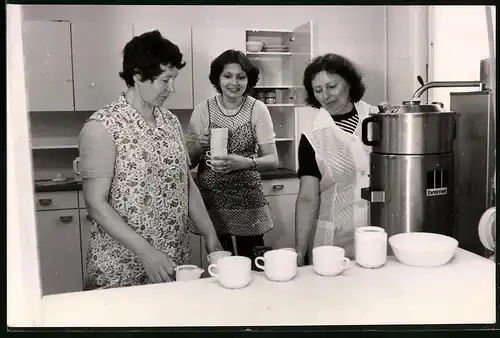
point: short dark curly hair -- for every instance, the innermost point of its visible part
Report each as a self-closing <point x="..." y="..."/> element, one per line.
<point x="334" y="64"/>
<point x="144" y="55"/>
<point x="233" y="56"/>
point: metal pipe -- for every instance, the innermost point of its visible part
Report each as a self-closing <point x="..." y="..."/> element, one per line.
<point x="442" y="84"/>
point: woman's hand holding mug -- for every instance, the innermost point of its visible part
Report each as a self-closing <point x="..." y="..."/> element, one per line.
<point x="229" y="163"/>
<point x="204" y="140"/>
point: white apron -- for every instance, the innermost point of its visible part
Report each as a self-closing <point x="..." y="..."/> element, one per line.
<point x="344" y="163"/>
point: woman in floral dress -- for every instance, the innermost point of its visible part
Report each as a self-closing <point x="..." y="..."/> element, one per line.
<point x="136" y="180"/>
<point x="232" y="191"/>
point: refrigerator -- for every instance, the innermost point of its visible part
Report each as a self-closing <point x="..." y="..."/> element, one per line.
<point x="475" y="163"/>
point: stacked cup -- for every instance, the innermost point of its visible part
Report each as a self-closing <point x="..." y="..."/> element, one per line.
<point x="218" y="145"/>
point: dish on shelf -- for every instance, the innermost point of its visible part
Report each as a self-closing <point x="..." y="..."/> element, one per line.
<point x="254" y="46"/>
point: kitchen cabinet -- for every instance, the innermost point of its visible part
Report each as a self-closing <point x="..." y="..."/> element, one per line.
<point x="85" y="227"/>
<point x="181" y="36"/>
<point x="280" y="83"/>
<point x="58" y="233"/>
<point x="281" y="195"/>
<point x="47" y="53"/>
<point x="208" y="42"/>
<point x="97" y="60"/>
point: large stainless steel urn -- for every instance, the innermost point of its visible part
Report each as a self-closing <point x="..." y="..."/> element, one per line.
<point x="412" y="168"/>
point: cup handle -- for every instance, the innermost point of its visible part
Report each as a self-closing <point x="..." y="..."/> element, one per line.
<point x="76" y="161"/>
<point x="347" y="261"/>
<point x="212" y="273"/>
<point x="209" y="153"/>
<point x="209" y="164"/>
<point x="257" y="260"/>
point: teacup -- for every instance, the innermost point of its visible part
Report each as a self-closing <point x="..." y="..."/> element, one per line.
<point x="214" y="256"/>
<point x="279" y="265"/>
<point x="329" y="260"/>
<point x="218" y="138"/>
<point x="233" y="272"/>
<point x="215" y="153"/>
<point x="187" y="272"/>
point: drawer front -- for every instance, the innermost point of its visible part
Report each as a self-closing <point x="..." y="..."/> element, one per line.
<point x="81" y="200"/>
<point x="286" y="186"/>
<point x="56" y="200"/>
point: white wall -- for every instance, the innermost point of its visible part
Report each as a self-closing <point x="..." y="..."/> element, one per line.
<point x="460" y="42"/>
<point x="23" y="278"/>
<point x="358" y="32"/>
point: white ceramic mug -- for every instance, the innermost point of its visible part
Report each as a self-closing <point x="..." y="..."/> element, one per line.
<point x="214" y="256"/>
<point x="329" y="260"/>
<point x="214" y="153"/>
<point x="233" y="272"/>
<point x="218" y="138"/>
<point x="370" y="246"/>
<point x="187" y="272"/>
<point x="279" y="265"/>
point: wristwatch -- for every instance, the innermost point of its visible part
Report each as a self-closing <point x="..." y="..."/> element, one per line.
<point x="254" y="164"/>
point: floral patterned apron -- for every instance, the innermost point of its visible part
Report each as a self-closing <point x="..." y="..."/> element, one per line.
<point x="235" y="201"/>
<point x="149" y="191"/>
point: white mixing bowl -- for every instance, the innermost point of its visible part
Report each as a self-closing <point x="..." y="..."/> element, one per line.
<point x="423" y="249"/>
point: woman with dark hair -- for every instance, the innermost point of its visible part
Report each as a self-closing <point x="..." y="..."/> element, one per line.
<point x="136" y="180"/>
<point x="232" y="190"/>
<point x="333" y="162"/>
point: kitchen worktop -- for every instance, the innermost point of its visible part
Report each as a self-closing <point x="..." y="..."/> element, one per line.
<point x="70" y="184"/>
<point x="463" y="291"/>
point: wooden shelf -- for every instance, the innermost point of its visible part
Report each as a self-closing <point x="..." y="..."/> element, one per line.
<point x="277" y="87"/>
<point x="269" y="54"/>
<point x="284" y="139"/>
<point x="54" y="143"/>
<point x="281" y="105"/>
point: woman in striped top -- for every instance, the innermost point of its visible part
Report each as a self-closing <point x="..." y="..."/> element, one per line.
<point x="333" y="162"/>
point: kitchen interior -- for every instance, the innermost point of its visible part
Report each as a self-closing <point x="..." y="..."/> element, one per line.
<point x="73" y="56"/>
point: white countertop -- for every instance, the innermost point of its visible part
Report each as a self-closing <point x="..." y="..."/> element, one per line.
<point x="463" y="291"/>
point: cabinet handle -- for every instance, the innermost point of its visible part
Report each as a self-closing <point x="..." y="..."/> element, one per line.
<point x="45" y="201"/>
<point x="278" y="186"/>
<point x="66" y="219"/>
<point x="89" y="218"/>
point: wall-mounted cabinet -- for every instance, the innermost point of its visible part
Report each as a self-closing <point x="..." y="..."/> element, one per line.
<point x="49" y="73"/>
<point x="97" y="61"/>
<point x="282" y="62"/>
<point x="208" y="43"/>
<point x="181" y="36"/>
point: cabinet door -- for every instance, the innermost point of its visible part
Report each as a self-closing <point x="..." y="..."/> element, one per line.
<point x="59" y="251"/>
<point x="181" y="36"/>
<point x="97" y="60"/>
<point x="208" y="43"/>
<point x="282" y="209"/>
<point x="302" y="50"/>
<point x="85" y="226"/>
<point x="47" y="53"/>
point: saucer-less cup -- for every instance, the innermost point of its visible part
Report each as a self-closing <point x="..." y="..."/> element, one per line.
<point x="218" y="138"/>
<point x="329" y="260"/>
<point x="214" y="256"/>
<point x="232" y="272"/>
<point x="370" y="247"/>
<point x="214" y="153"/>
<point x="279" y="265"/>
<point x="187" y="272"/>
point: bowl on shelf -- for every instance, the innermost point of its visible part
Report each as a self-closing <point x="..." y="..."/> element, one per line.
<point x="254" y="46"/>
<point x="423" y="249"/>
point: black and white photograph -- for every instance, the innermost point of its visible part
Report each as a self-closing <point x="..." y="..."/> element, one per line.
<point x="180" y="166"/>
